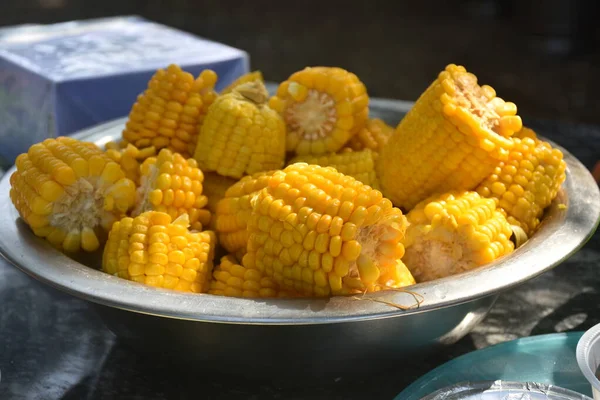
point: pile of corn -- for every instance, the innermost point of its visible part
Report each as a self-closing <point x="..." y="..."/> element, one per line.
<point x="298" y="194"/>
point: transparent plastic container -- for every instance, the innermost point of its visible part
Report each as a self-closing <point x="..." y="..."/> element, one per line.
<point x="588" y="358"/>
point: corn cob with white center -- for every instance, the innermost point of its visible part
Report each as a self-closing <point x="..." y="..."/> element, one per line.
<point x="70" y="192"/>
<point x="249" y="77"/>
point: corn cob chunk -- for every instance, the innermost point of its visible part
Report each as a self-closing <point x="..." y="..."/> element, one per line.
<point x="173" y="185"/>
<point x="323" y="108"/>
<point x="215" y="187"/>
<point x="319" y="232"/>
<point x="526" y="183"/>
<point x="234" y="210"/>
<point x="232" y="279"/>
<point x="454" y="232"/>
<point x="241" y="134"/>
<point x="70" y="192"/>
<point x="451" y="139"/>
<point x="129" y="158"/>
<point x="358" y="164"/>
<point x="168" y="113"/>
<point x="249" y="77"/>
<point x="155" y="250"/>
<point x="374" y="136"/>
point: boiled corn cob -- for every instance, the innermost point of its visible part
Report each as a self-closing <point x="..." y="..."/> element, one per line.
<point x="249" y="77"/>
<point x="358" y="164"/>
<point x="454" y="232"/>
<point x="526" y="183"/>
<point x="319" y="232"/>
<point x="129" y="158"/>
<point x="374" y="136"/>
<point x="234" y="210"/>
<point x="451" y="139"/>
<point x="214" y="188"/>
<point x="155" y="250"/>
<point x="232" y="279"/>
<point x="323" y="108"/>
<point x="168" y="113"/>
<point x="173" y="185"/>
<point x="241" y="134"/>
<point x="70" y="192"/>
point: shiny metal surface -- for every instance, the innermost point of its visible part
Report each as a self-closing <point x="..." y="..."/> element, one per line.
<point x="333" y="331"/>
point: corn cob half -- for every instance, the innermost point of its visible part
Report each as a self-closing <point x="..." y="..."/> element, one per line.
<point x="452" y="138"/>
<point x="70" y="192"/>
<point x="526" y="183"/>
<point x="319" y="232"/>
<point x="454" y="232"/>
<point x="374" y="136"/>
<point x="155" y="250"/>
<point x="323" y="108"/>
<point x="249" y="77"/>
<point x="241" y="134"/>
<point x="129" y="158"/>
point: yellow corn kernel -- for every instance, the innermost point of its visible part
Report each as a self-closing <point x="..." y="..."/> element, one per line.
<point x="452" y="138"/>
<point x="454" y="232"/>
<point x="70" y="192"/>
<point x="249" y="77"/>
<point x="233" y="211"/>
<point x="129" y="158"/>
<point x="374" y="136"/>
<point x="290" y="215"/>
<point x="526" y="183"/>
<point x="358" y="164"/>
<point x="241" y="134"/>
<point x="323" y="107"/>
<point x="172" y="184"/>
<point x="150" y="258"/>
<point x="168" y="112"/>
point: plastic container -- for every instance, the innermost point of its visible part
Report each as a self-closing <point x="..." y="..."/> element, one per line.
<point x="504" y="390"/>
<point x="588" y="357"/>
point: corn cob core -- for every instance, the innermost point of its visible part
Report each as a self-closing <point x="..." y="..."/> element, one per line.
<point x="232" y="279"/>
<point x="234" y="211"/>
<point x="70" y="192"/>
<point x="129" y="158"/>
<point x="451" y="139"/>
<point x="374" y="136"/>
<point x="358" y="164"/>
<point x="323" y="108"/>
<point x="319" y="232"/>
<point x="173" y="185"/>
<point x="155" y="250"/>
<point x="241" y="134"/>
<point x="454" y="232"/>
<point x="168" y="113"/>
<point x="249" y="77"/>
<point x="526" y="183"/>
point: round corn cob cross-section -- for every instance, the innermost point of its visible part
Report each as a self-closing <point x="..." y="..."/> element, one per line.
<point x="323" y="107"/>
<point x="358" y="164"/>
<point x="319" y="232"/>
<point x="234" y="211"/>
<point x="70" y="192"/>
<point x="241" y="134"/>
<point x="171" y="184"/>
<point x="167" y="114"/>
<point x="129" y="158"/>
<point x="155" y="250"/>
<point x="454" y="232"/>
<point x="249" y="77"/>
<point x="232" y="279"/>
<point x="526" y="183"/>
<point x="374" y="136"/>
<point x="452" y="138"/>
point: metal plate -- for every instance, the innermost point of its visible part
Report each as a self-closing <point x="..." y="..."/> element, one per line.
<point x="503" y="390"/>
<point x="562" y="233"/>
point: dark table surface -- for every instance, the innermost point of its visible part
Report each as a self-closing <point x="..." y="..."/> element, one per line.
<point x="53" y="346"/>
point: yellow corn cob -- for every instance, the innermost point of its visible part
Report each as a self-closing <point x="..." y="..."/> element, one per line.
<point x="232" y="279"/>
<point x="234" y="210"/>
<point x="451" y="139"/>
<point x="155" y="250"/>
<point x="319" y="232"/>
<point x="374" y="136"/>
<point x="323" y="108"/>
<point x="526" y="183"/>
<point x="249" y="77"/>
<point x="129" y="158"/>
<point x="70" y="192"/>
<point x="168" y="113"/>
<point x="241" y="134"/>
<point x="358" y="164"/>
<point x="215" y="187"/>
<point x="173" y="185"/>
<point x="454" y="232"/>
